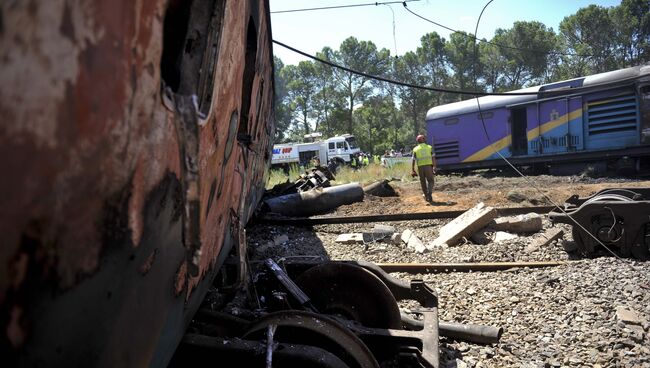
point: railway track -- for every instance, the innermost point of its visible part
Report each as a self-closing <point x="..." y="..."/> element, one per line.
<point x="330" y="220"/>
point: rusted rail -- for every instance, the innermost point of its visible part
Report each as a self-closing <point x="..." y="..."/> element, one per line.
<point x="464" y="267"/>
<point x="308" y="221"/>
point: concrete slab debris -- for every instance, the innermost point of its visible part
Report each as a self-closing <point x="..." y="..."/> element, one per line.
<point x="412" y="241"/>
<point x="528" y="223"/>
<point x="383" y="229"/>
<point x="465" y="225"/>
<point x="487" y="236"/>
<point x="352" y="238"/>
<point x="500" y="236"/>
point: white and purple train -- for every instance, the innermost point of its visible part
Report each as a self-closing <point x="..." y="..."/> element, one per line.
<point x="598" y="120"/>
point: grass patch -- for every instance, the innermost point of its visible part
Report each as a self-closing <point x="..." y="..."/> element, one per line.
<point x="346" y="174"/>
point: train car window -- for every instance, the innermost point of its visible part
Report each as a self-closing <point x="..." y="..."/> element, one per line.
<point x="451" y="121"/>
<point x="191" y="35"/>
<point x="485" y="115"/>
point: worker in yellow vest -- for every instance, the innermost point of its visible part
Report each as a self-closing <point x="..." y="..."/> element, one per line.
<point x="425" y="158"/>
<point x="366" y="160"/>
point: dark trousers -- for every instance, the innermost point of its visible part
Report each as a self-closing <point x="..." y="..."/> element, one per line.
<point x="426" y="179"/>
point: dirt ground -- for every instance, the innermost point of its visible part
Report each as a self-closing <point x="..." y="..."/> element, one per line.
<point x="453" y="192"/>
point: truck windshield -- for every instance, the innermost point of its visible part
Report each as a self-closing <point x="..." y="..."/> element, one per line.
<point x="352" y="142"/>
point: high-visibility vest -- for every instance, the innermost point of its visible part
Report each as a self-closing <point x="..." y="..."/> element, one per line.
<point x="422" y="153"/>
<point x="366" y="161"/>
<point x="353" y="161"/>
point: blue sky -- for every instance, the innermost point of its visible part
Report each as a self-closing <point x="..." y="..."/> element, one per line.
<point x="311" y="31"/>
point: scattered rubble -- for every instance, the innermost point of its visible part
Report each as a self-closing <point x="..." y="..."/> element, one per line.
<point x="465" y="225"/>
<point x="528" y="223"/>
<point x="570" y="315"/>
<point x="412" y="241"/>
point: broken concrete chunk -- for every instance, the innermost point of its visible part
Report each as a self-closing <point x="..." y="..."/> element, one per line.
<point x="500" y="236"/>
<point x="528" y="223"/>
<point x="412" y="241"/>
<point x="353" y="238"/>
<point x="383" y="229"/>
<point x="547" y="237"/>
<point x="465" y="225"/>
<point x="628" y="316"/>
<point x="406" y="235"/>
<point x="395" y="238"/>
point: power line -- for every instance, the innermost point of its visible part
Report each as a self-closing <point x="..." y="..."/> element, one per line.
<point x="342" y="6"/>
<point x="403" y="84"/>
<point x="442" y="89"/>
<point x="494" y="43"/>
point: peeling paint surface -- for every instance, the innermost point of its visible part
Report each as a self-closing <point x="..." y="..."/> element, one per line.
<point x="93" y="202"/>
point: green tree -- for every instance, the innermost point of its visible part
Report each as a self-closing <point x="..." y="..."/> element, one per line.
<point x="588" y="33"/>
<point x="519" y="56"/>
<point x="361" y="56"/>
<point x="432" y="57"/>
<point x="460" y="55"/>
<point x="373" y="122"/>
<point x="282" y="105"/>
<point x="301" y="88"/>
<point x="414" y="101"/>
<point x="631" y="21"/>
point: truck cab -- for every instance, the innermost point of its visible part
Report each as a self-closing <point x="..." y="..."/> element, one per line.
<point x="342" y="147"/>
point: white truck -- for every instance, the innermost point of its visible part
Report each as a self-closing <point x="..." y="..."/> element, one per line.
<point x="340" y="148"/>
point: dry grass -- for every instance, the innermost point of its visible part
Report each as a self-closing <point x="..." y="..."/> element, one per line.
<point x="346" y="174"/>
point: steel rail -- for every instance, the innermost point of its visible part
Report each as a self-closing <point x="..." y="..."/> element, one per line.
<point x="465" y="267"/>
<point x="329" y="220"/>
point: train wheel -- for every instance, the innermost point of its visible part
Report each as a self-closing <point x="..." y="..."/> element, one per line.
<point x="351" y="292"/>
<point x="306" y="328"/>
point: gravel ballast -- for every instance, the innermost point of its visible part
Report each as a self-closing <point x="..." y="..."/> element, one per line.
<point x="589" y="312"/>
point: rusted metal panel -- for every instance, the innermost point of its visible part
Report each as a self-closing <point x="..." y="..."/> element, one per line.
<point x="94" y="264"/>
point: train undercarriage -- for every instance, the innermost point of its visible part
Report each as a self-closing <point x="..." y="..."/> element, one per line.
<point x="615" y="219"/>
<point x="322" y="314"/>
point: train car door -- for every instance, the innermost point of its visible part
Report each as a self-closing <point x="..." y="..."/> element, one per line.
<point x="518" y="131"/>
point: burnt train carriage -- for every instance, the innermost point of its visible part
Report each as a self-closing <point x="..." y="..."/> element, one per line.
<point x="600" y="118"/>
<point x="134" y="141"/>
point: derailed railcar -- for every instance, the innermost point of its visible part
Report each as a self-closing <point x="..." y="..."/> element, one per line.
<point x="133" y="144"/>
<point x="598" y="119"/>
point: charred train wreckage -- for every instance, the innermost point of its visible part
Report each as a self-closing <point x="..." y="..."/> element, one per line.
<point x="135" y="139"/>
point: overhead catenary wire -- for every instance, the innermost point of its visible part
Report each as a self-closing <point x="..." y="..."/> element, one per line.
<point x="526" y="178"/>
<point x="442" y="89"/>
<point x="495" y="43"/>
<point x="341" y="6"/>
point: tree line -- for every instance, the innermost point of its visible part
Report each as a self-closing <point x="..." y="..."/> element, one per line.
<point x="313" y="96"/>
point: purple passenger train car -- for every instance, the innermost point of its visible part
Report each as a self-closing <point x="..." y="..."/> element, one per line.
<point x="599" y="119"/>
